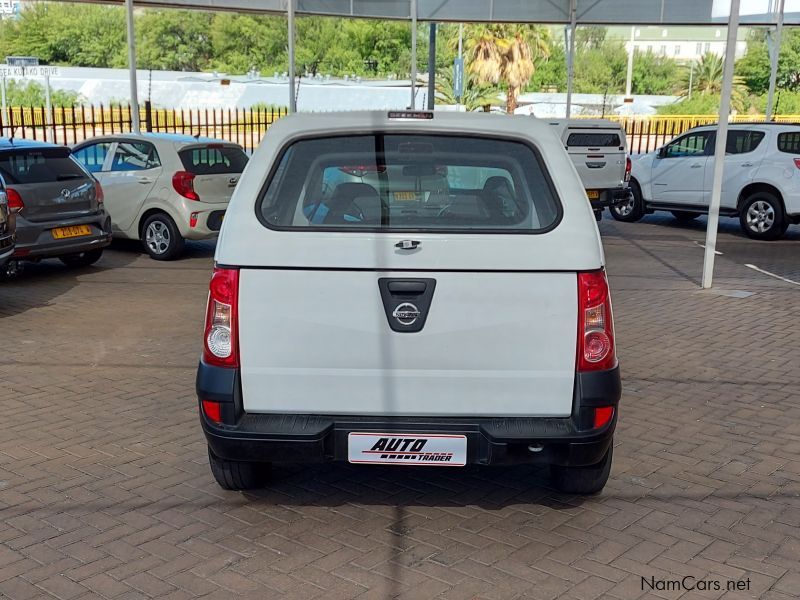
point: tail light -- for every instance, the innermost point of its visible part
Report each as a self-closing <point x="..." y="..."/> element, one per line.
<point x="596" y="351"/>
<point x="183" y="182"/>
<point x="15" y="203"/>
<point x="98" y="192"/>
<point x="797" y="162"/>
<point x="213" y="410"/>
<point x="628" y="166"/>
<point x="221" y="339"/>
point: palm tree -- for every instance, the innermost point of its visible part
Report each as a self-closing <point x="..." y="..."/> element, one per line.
<point x="707" y="80"/>
<point x="503" y="53"/>
<point x="475" y="97"/>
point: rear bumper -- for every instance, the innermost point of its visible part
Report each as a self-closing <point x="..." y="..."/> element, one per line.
<point x="6" y="249"/>
<point x="35" y="240"/>
<point x="568" y="441"/>
<point x="611" y="197"/>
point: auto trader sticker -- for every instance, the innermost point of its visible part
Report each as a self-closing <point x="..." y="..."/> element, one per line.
<point x="407" y="449"/>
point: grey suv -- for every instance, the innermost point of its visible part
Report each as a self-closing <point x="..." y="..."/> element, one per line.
<point x="58" y="204"/>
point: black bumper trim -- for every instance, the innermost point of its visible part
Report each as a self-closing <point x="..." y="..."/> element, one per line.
<point x="490" y="440"/>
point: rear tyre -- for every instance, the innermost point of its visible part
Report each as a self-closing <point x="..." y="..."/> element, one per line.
<point x="82" y="259"/>
<point x="583" y="480"/>
<point x="630" y="210"/>
<point x="684" y="216"/>
<point x="762" y="217"/>
<point x="598" y="215"/>
<point x="161" y="238"/>
<point x="236" y="475"/>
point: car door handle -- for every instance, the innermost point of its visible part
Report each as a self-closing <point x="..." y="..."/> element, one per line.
<point x="696" y="166"/>
<point x="145" y="180"/>
<point x="747" y="164"/>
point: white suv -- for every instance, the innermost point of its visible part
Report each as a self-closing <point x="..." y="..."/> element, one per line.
<point x="164" y="188"/>
<point x="409" y="289"/>
<point x="761" y="179"/>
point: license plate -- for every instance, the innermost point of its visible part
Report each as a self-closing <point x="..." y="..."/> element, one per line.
<point x="407" y="449"/>
<point x="70" y="232"/>
<point x="405" y="196"/>
<point x="593" y="194"/>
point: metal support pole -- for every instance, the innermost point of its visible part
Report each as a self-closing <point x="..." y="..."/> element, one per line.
<point x="774" y="45"/>
<point x="5" y="115"/>
<point x="719" y="148"/>
<point x="461" y="58"/>
<point x="573" y="17"/>
<point x="48" y="105"/>
<point x="629" y="76"/>
<point x="132" y="67"/>
<point x="413" y="54"/>
<point x="292" y="92"/>
<point x="432" y="66"/>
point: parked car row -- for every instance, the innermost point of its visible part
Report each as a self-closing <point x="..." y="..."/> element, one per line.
<point x="761" y="178"/>
<point x="162" y="189"/>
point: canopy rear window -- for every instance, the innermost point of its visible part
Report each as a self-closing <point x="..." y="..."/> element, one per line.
<point x="594" y="140"/>
<point x="40" y="165"/>
<point x="410" y="183"/>
<point x="213" y="159"/>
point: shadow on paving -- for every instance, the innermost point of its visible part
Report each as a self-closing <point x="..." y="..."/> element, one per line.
<point x="38" y="284"/>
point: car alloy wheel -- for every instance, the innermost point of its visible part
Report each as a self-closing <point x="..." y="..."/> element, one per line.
<point x="760" y="216"/>
<point x="157" y="237"/>
<point x="625" y="208"/>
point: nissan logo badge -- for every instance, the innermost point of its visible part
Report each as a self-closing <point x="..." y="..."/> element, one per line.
<point x="406" y="313"/>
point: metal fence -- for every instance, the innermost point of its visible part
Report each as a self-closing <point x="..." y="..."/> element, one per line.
<point x="72" y="124"/>
<point x="246" y="126"/>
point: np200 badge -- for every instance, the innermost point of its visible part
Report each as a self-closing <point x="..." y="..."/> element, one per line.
<point x="406" y="313"/>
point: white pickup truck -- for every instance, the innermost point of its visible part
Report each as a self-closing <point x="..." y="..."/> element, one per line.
<point x="414" y="289"/>
<point x="599" y="150"/>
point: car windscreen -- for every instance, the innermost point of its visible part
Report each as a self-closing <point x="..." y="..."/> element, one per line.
<point x="213" y="159"/>
<point x="594" y="140"/>
<point x="397" y="182"/>
<point x="39" y="165"/>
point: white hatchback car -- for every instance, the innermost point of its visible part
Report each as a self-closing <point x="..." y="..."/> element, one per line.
<point x="761" y="178"/>
<point x="449" y="307"/>
<point x="164" y="188"/>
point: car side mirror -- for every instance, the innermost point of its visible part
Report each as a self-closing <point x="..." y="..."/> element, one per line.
<point x="662" y="152"/>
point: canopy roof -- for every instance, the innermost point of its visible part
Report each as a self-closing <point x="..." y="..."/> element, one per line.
<point x="589" y="12"/>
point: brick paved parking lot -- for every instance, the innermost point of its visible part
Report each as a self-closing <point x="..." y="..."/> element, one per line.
<point x="105" y="490"/>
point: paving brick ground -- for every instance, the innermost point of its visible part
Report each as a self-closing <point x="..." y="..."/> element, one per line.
<point x="105" y="491"/>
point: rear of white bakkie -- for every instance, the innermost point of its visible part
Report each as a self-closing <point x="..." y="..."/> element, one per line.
<point x="409" y="288"/>
<point x="599" y="150"/>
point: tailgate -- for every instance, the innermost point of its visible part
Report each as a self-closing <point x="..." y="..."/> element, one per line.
<point x="598" y="156"/>
<point x="320" y="341"/>
<point x="51" y="184"/>
<point x="216" y="168"/>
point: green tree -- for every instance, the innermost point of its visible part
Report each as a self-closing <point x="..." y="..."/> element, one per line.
<point x="600" y="70"/>
<point x="174" y="40"/>
<point x="91" y="36"/>
<point x="242" y="42"/>
<point x="654" y="74"/>
<point x="754" y="66"/>
<point x="475" y="97"/>
<point x="32" y="93"/>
